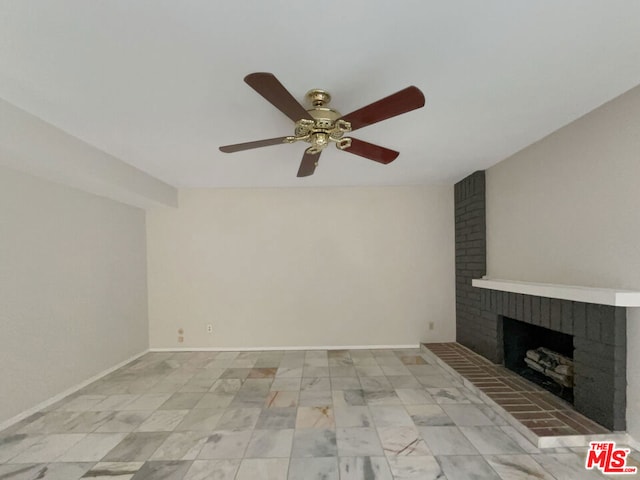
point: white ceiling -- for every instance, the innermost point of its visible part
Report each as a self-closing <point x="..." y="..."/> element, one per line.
<point x="158" y="83"/>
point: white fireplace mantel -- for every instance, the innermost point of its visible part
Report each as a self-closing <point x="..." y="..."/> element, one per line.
<point x="602" y="296"/>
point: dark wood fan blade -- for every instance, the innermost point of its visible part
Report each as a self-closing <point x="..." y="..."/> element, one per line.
<point x="400" y="102"/>
<point x="308" y="164"/>
<point x="238" y="147"/>
<point x="371" y="151"/>
<point x="267" y="85"/>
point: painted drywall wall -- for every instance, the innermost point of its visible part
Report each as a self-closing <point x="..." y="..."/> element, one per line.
<point x="63" y="158"/>
<point x="567" y="210"/>
<point x="72" y="288"/>
<point x="302" y="267"/>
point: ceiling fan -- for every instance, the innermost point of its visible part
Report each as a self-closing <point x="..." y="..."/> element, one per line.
<point x="321" y="125"/>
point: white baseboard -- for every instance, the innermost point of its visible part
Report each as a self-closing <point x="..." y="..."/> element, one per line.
<point x="67" y="392"/>
<point x="257" y="349"/>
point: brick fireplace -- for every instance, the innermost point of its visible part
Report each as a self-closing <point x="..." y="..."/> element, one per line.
<point x="598" y="331"/>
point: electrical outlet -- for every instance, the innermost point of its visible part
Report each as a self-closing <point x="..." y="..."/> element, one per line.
<point x="430" y="325"/>
<point x="209" y="328"/>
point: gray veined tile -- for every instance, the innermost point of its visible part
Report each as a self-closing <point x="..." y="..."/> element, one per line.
<point x="113" y="470"/>
<point x="52" y="422"/>
<point x="239" y="419"/>
<point x="226" y="386"/>
<point x="314" y="398"/>
<point x="438" y="381"/>
<point x="447" y="441"/>
<point x="415" y="468"/>
<point x="163" y="421"/>
<point x="312" y="442"/>
<point x="181" y="446"/>
<point x="114" y="402"/>
<point x="517" y="467"/>
<point x="390" y="416"/>
<point x="270" y="444"/>
<point x="429" y="415"/>
<point x="315" y="384"/>
<point x="62" y="471"/>
<point x="402" y="441"/>
<point x="319" y="468"/>
<point x="340" y="362"/>
<point x="277" y="418"/>
<point x="158" y="470"/>
<point x="404" y="382"/>
<point x="200" y="419"/>
<point x="491" y="440"/>
<point x="315" y="372"/>
<point x="397" y="370"/>
<point x="181" y="401"/>
<point x="213" y="470"/>
<point x="461" y="467"/>
<point x="123" y="421"/>
<point x="364" y="468"/>
<point x="375" y="384"/>
<point x="467" y="415"/>
<point x="315" y="417"/>
<point x="382" y="397"/>
<point x="369" y="371"/>
<point x="12" y="445"/>
<point x="47" y="448"/>
<point x="256" y="385"/>
<point x="565" y="466"/>
<point x="240" y="362"/>
<point x="353" y="417"/>
<point x="358" y="442"/>
<point x="225" y="444"/>
<point x="249" y="399"/>
<point x="414" y="396"/>
<point x="342" y="371"/>
<point x="289" y="372"/>
<point x="147" y="401"/>
<point x="491" y="413"/>
<point x="16" y="471"/>
<point x="525" y="444"/>
<point x="282" y="399"/>
<point x="448" y="395"/>
<point x="363" y="360"/>
<point x="92" y="448"/>
<point x="348" y="398"/>
<point x="263" y="469"/>
<point x="86" y="422"/>
<point x="345" y="383"/>
<point x="136" y="447"/>
<point x="238" y="373"/>
<point x="425" y="370"/>
<point x="286" y="384"/>
<point x="195" y="386"/>
<point x="81" y="403"/>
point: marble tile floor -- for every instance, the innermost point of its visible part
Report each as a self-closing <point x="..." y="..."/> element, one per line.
<point x="278" y="415"/>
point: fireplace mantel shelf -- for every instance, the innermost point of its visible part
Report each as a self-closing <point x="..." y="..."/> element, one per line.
<point x="602" y="296"/>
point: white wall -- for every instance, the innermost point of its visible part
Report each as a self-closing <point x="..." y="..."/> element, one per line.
<point x="72" y="288"/>
<point x="31" y="145"/>
<point x="302" y="267"/>
<point x="567" y="210"/>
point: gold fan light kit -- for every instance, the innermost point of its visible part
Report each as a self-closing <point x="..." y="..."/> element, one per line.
<point x="321" y="125"/>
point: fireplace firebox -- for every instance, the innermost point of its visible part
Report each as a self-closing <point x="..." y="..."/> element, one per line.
<point x="520" y="339"/>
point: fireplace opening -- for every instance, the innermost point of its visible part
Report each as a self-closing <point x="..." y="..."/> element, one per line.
<point x="540" y="355"/>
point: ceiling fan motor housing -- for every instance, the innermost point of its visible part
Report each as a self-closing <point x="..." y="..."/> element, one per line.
<point x="325" y="127"/>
